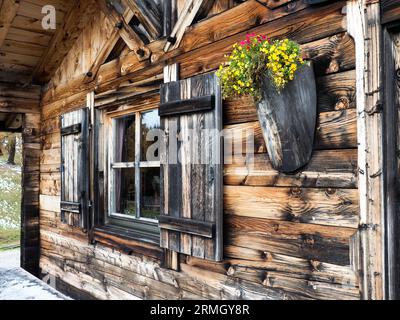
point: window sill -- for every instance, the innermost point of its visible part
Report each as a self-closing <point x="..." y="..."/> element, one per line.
<point x="128" y="241"/>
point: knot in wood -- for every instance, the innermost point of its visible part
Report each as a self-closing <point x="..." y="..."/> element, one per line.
<point x="295" y="191"/>
<point x="119" y="25"/>
<point x="330" y="191"/>
<point x="265" y="255"/>
<point x="398" y="74"/>
<point x="315" y="265"/>
<point x="308" y="240"/>
<point x="140" y="52"/>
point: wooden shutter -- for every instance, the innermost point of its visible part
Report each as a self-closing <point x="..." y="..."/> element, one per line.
<point x="74" y="168"/>
<point x="191" y="214"/>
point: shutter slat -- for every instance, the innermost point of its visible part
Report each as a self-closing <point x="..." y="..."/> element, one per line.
<point x="74" y="173"/>
<point x="197" y="104"/>
<point x="190" y="226"/>
<point x="191" y="220"/>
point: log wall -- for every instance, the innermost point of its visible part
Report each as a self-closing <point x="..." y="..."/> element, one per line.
<point x="286" y="236"/>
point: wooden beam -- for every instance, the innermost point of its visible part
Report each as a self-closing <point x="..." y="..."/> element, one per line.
<point x="189" y="12"/>
<point x="121" y="23"/>
<point x="19" y="99"/>
<point x="8" y="11"/>
<point x="364" y="25"/>
<point x="77" y="19"/>
<point x="150" y="21"/>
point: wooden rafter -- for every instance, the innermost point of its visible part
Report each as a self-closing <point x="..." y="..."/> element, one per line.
<point x="8" y="11"/>
<point x="189" y="12"/>
<point x="106" y="49"/>
<point x="121" y="23"/>
<point x="76" y="20"/>
<point x="148" y="18"/>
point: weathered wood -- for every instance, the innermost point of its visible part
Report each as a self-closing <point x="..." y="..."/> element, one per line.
<point x="8" y="11"/>
<point x="196" y="104"/>
<point x="76" y="20"/>
<point x="327" y="21"/>
<point x="189" y="12"/>
<point x="193" y="168"/>
<point x="74" y="166"/>
<point x="326" y="169"/>
<point x="335" y="130"/>
<point x="30" y="231"/>
<point x="365" y="26"/>
<point x="303" y="240"/>
<point x="336" y="207"/>
<point x="190" y="226"/>
<point x="131" y="38"/>
<point x="287" y="120"/>
<point x="390" y="10"/>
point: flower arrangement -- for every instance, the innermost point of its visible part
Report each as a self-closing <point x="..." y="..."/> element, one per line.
<point x="253" y="59"/>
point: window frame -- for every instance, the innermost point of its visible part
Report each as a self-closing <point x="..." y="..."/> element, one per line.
<point x="145" y="228"/>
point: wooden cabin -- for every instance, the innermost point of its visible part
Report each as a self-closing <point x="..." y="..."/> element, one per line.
<point x="105" y="223"/>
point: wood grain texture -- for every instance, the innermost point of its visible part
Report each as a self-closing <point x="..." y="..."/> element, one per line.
<point x="193" y="169"/>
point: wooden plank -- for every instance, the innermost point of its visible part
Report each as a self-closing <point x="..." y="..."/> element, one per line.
<point x="196" y="175"/>
<point x="390" y="10"/>
<point x="391" y="137"/>
<point x="147" y="17"/>
<point x="76" y="20"/>
<point x="131" y="38"/>
<point x="171" y="258"/>
<point x="303" y="240"/>
<point x="364" y="26"/>
<point x="327" y="21"/>
<point x="335" y="207"/>
<point x="189" y="12"/>
<point x="8" y="11"/>
<point x="190" y="226"/>
<point x="180" y="107"/>
<point x="326" y="169"/>
<point x="335" y="130"/>
<point x="73" y="129"/>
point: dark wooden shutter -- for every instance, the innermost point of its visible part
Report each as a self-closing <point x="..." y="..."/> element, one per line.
<point x="74" y="168"/>
<point x="191" y="214"/>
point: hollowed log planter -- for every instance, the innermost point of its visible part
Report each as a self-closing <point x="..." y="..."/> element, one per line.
<point x="288" y="120"/>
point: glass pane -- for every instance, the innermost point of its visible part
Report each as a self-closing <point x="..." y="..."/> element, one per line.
<point x="124" y="184"/>
<point x="125" y="139"/>
<point x="150" y="184"/>
<point x="150" y="121"/>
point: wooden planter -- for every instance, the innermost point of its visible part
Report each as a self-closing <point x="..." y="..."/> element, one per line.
<point x="288" y="120"/>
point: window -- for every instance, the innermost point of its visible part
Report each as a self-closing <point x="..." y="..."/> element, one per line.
<point x="134" y="172"/>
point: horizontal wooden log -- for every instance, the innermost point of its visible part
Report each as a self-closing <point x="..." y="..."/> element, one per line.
<point x="335" y="207"/>
<point x="335" y="92"/>
<point x="197" y="104"/>
<point x="127" y="244"/>
<point x="335" y="130"/>
<point x="190" y="226"/>
<point x="307" y="241"/>
<point x="326" y="169"/>
<point x="390" y="10"/>
<point x="192" y="280"/>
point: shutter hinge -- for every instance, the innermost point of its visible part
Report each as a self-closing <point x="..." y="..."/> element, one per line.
<point x="90" y="127"/>
<point x="90" y="204"/>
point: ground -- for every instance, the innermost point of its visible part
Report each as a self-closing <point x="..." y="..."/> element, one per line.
<point x="10" y="203"/>
<point x="17" y="284"/>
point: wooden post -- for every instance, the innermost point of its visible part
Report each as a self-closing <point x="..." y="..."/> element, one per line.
<point x="91" y="155"/>
<point x="171" y="258"/>
<point x="363" y="19"/>
<point x="30" y="243"/>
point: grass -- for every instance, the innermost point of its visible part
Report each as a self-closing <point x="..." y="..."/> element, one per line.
<point x="10" y="202"/>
